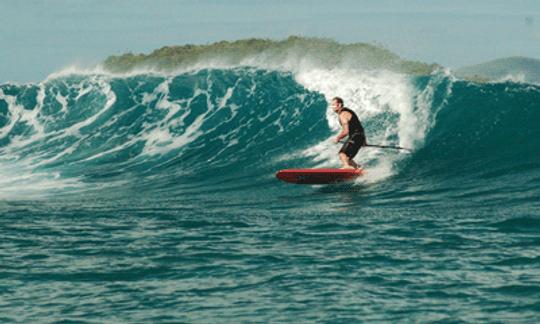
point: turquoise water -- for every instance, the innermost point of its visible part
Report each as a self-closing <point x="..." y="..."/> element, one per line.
<point x="153" y="198"/>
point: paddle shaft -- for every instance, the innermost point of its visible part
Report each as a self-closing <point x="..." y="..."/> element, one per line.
<point x="384" y="146"/>
<point x="389" y="147"/>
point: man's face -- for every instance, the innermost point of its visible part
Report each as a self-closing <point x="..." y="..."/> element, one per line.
<point x="335" y="105"/>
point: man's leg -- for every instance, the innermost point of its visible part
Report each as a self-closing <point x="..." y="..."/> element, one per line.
<point x="347" y="162"/>
<point x="353" y="164"/>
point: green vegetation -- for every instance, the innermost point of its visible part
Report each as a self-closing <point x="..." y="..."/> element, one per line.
<point x="264" y="52"/>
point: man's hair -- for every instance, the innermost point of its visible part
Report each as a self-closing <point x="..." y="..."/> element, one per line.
<point x="339" y="100"/>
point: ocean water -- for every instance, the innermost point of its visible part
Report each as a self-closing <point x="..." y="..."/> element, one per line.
<point x="152" y="198"/>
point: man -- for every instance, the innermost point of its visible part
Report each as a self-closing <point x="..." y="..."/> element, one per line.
<point x="353" y="128"/>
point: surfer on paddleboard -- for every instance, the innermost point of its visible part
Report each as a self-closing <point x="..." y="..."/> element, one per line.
<point x="353" y="129"/>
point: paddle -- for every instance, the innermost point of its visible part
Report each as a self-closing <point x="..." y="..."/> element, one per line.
<point x="384" y="146"/>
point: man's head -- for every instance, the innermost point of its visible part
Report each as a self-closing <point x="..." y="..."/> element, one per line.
<point x="337" y="104"/>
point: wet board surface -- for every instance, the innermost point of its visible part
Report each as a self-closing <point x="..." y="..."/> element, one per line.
<point x="318" y="176"/>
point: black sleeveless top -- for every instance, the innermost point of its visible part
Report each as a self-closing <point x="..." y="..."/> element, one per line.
<point x="355" y="127"/>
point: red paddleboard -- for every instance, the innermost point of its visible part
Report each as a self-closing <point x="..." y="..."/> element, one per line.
<point x="318" y="176"/>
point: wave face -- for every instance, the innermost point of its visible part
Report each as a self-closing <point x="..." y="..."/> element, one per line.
<point x="152" y="198"/>
<point x="483" y="149"/>
<point x="97" y="130"/>
<point x="158" y="134"/>
<point x="154" y="132"/>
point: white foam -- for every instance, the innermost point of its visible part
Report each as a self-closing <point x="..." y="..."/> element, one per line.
<point x="20" y="180"/>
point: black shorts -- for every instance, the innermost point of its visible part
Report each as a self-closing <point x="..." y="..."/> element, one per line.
<point x="353" y="144"/>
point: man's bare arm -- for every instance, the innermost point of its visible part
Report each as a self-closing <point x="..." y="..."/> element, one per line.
<point x="345" y="124"/>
